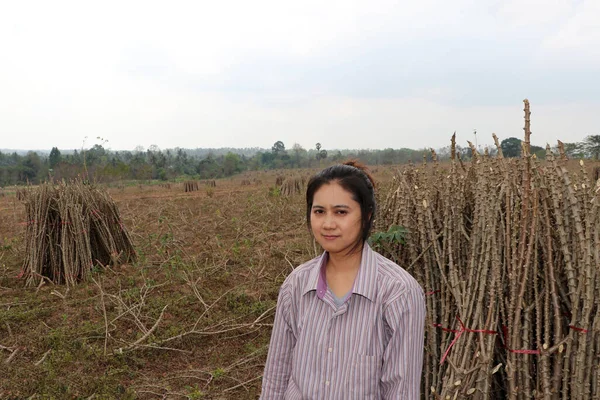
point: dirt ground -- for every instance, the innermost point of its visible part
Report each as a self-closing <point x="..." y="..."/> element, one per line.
<point x="190" y="319"/>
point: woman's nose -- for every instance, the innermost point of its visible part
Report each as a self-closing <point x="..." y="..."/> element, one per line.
<point x="329" y="222"/>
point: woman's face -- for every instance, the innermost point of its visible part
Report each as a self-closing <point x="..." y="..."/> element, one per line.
<point x="335" y="218"/>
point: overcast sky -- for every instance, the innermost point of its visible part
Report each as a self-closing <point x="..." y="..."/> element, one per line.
<point x="347" y="74"/>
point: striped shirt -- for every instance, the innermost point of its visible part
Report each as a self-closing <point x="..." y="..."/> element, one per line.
<point x="371" y="347"/>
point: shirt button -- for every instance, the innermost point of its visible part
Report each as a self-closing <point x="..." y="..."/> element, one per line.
<point x="326" y="383"/>
<point x="330" y="349"/>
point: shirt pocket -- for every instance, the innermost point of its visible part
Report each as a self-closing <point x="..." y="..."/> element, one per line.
<point x="292" y="392"/>
<point x="362" y="377"/>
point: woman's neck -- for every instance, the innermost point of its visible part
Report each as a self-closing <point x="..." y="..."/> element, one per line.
<point x="342" y="263"/>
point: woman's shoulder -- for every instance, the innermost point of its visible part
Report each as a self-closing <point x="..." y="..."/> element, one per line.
<point x="395" y="278"/>
<point x="303" y="274"/>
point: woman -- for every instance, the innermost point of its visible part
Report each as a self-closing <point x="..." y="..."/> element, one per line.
<point x="349" y="324"/>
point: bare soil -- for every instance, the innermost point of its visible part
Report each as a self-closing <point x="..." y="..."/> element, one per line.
<point x="191" y="319"/>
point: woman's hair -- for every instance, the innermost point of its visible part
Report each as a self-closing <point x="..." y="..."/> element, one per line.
<point x="355" y="179"/>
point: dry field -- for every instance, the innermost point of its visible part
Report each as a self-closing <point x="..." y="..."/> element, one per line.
<point x="190" y="319"/>
<point x="500" y="246"/>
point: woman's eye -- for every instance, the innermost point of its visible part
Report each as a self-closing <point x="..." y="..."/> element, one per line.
<point x="342" y="212"/>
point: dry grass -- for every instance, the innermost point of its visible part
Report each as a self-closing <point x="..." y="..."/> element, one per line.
<point x="190" y="319"/>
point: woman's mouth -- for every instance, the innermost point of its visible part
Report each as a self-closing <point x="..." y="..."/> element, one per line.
<point x="329" y="237"/>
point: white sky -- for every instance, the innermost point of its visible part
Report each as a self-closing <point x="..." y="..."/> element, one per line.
<point x="347" y="74"/>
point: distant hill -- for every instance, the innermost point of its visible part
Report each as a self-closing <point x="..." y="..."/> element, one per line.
<point x="197" y="152"/>
<point x="22" y="152"/>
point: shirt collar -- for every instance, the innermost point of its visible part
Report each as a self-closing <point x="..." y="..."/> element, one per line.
<point x="366" y="280"/>
<point x="365" y="283"/>
<point x="313" y="278"/>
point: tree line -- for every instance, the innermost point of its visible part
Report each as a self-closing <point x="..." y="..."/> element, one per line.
<point x="100" y="164"/>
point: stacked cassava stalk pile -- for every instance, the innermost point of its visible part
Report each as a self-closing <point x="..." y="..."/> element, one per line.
<point x="508" y="252"/>
<point x="70" y="228"/>
<point x="190" y="186"/>
<point x="292" y="185"/>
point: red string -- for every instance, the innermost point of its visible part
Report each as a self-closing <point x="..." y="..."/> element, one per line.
<point x="445" y="329"/>
<point x="578" y="329"/>
<point x="458" y="333"/>
<point x="432" y="292"/>
<point x="505" y="331"/>
<point x="33" y="221"/>
<point x="569" y="315"/>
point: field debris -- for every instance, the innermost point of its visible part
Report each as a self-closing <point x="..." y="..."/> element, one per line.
<point x="71" y="228"/>
<point x="292" y="185"/>
<point x="190" y="186"/>
<point x="507" y="251"/>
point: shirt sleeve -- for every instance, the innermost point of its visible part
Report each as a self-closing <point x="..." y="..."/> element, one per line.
<point x="403" y="355"/>
<point x="279" y="359"/>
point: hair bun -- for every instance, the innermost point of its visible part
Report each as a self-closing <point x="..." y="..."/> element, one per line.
<point x="358" y="165"/>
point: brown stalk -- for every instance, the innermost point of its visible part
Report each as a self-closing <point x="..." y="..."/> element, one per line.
<point x="504" y="242"/>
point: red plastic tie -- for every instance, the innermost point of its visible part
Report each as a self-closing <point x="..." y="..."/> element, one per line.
<point x="432" y="292"/>
<point x="578" y="329"/>
<point x="458" y="333"/>
<point x="505" y="331"/>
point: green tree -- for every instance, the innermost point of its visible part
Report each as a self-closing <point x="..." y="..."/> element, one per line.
<point x="591" y="145"/>
<point x="574" y="150"/>
<point x="278" y="148"/>
<point x="511" y="147"/>
<point x="54" y="158"/>
<point x="338" y="156"/>
<point x="231" y="164"/>
<point x="266" y="159"/>
<point x="539" y="152"/>
<point x="96" y="155"/>
<point x="31" y="167"/>
<point x="388" y="156"/>
<point x="209" y="167"/>
<point x="298" y="154"/>
<point x="321" y="154"/>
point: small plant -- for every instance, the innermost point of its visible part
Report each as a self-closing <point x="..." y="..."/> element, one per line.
<point x="194" y="392"/>
<point x="218" y="372"/>
<point x="210" y="191"/>
<point x="386" y="241"/>
<point x="97" y="269"/>
<point x="274" y="192"/>
<point x="5" y="245"/>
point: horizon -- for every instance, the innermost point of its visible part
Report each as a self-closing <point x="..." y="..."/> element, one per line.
<point x="257" y="148"/>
